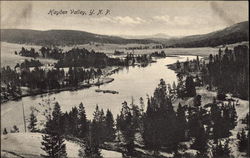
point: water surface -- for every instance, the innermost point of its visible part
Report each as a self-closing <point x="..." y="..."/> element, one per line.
<point x="134" y="82"/>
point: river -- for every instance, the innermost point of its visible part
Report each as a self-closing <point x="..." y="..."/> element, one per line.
<point x="134" y="82"/>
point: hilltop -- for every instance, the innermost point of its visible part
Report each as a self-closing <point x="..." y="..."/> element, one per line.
<point x="236" y="33"/>
<point x="233" y="34"/>
<point x="62" y="37"/>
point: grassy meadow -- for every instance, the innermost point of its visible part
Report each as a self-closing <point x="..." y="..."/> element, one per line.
<point x="8" y="56"/>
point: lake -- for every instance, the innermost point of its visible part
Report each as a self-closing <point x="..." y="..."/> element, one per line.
<point x="131" y="83"/>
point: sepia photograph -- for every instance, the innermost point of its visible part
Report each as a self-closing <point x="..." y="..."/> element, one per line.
<point x="124" y="79"/>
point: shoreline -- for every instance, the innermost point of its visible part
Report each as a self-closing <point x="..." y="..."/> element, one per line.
<point x="84" y="86"/>
<point x="102" y="80"/>
<point x="173" y="67"/>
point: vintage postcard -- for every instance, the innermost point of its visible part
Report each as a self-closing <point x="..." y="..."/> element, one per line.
<point x="124" y="79"/>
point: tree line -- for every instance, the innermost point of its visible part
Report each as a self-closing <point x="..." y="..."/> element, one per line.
<point x="29" y="63"/>
<point x="231" y="67"/>
<point x="43" y="79"/>
<point x="158" y="127"/>
<point x="77" y="57"/>
<point x="73" y="124"/>
<point x="28" y="53"/>
<point x="161" y="54"/>
<point x="56" y="78"/>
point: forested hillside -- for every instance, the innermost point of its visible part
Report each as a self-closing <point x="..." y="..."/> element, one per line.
<point x="61" y="37"/>
<point x="233" y="34"/>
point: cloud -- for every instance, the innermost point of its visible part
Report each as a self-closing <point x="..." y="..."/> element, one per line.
<point x="164" y="18"/>
<point x="170" y="21"/>
<point x="178" y="20"/>
<point x="182" y="20"/>
<point x="126" y="20"/>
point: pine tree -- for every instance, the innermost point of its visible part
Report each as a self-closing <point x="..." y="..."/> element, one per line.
<point x="128" y="133"/>
<point x="57" y="119"/>
<point x="96" y="114"/>
<point x="243" y="141"/>
<point x="197" y="100"/>
<point x="181" y="123"/>
<point x="150" y="133"/>
<point x="217" y="122"/>
<point x="53" y="142"/>
<point x="91" y="150"/>
<point x="136" y="116"/>
<point x="109" y="126"/>
<point x="73" y="122"/>
<point x="180" y="89"/>
<point x="190" y="87"/>
<point x="142" y="106"/>
<point x="160" y="120"/>
<point x="198" y="62"/>
<point x="178" y="65"/>
<point x="83" y="126"/>
<point x="5" y="131"/>
<point x="98" y="125"/>
<point x="142" y="115"/>
<point x="66" y="124"/>
<point x="226" y="122"/>
<point x="200" y="142"/>
<point x="127" y="128"/>
<point x="233" y="117"/>
<point x="53" y="145"/>
<point x="15" y="129"/>
<point x="194" y="123"/>
<point x="32" y="122"/>
<point x="118" y="126"/>
<point x="221" y="151"/>
<point x="91" y="146"/>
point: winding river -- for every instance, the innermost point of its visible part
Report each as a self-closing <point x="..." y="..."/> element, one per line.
<point x="134" y="82"/>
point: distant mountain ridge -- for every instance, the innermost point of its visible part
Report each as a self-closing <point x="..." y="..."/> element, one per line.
<point x="236" y="33"/>
<point x="62" y="37"/>
<point x="154" y="36"/>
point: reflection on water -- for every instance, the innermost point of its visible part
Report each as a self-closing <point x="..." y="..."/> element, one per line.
<point x="134" y="82"/>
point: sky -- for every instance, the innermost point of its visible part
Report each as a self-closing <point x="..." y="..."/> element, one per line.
<point x="125" y="17"/>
